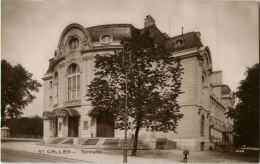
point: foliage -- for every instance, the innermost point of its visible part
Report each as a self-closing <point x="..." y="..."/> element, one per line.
<point x="25" y="126"/>
<point x="153" y="79"/>
<point x="17" y="87"/>
<point x="246" y="112"/>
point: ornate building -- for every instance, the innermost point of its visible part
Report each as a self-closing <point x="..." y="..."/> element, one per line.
<point x="67" y="114"/>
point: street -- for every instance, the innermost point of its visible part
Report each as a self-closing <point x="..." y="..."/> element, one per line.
<point x="28" y="152"/>
<point x="19" y="156"/>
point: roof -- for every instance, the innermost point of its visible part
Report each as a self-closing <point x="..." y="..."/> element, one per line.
<point x="51" y="62"/>
<point x="117" y="31"/>
<point x="225" y="89"/>
<point x="61" y="112"/>
<point x="111" y="25"/>
<point x="5" y="128"/>
<point x="186" y="41"/>
<point x="155" y="34"/>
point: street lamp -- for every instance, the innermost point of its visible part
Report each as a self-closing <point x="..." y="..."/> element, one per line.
<point x="125" y="142"/>
<point x="129" y="66"/>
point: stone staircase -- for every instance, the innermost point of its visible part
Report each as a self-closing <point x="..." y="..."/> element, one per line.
<point x="109" y="143"/>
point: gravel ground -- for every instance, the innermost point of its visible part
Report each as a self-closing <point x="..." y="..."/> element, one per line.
<point x="194" y="157"/>
<point x="143" y="156"/>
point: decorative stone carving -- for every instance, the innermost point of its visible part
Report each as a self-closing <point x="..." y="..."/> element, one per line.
<point x="55" y="106"/>
<point x="208" y="114"/>
<point x="71" y="33"/>
<point x="87" y="57"/>
<point x="200" y="63"/>
<point x="85" y="40"/>
<point x="73" y="58"/>
<point x="61" y="65"/>
<point x="199" y="111"/>
<point x="72" y="103"/>
<point x="61" y="50"/>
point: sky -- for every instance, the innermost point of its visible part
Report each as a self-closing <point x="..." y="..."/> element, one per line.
<point x="31" y="30"/>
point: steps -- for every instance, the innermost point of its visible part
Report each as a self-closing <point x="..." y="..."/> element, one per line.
<point x="109" y="143"/>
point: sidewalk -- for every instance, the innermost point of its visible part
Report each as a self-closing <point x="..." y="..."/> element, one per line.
<point x="92" y="155"/>
<point x="143" y="156"/>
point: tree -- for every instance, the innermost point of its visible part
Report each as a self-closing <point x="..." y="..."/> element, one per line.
<point x="17" y="88"/>
<point x="153" y="78"/>
<point x="26" y="126"/>
<point x="246" y="112"/>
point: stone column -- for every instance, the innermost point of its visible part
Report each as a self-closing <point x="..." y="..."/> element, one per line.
<point x="47" y="129"/>
<point x="65" y="126"/>
<point x="60" y="127"/>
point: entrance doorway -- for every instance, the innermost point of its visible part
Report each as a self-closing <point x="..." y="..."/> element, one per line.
<point x="73" y="126"/>
<point x="105" y="125"/>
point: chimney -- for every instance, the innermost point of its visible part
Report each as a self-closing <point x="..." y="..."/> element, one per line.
<point x="216" y="78"/>
<point x="148" y="21"/>
<point x="198" y="34"/>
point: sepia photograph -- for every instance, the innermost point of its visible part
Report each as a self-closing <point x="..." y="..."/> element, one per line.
<point x="134" y="81"/>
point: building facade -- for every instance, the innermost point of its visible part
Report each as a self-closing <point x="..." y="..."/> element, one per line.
<point x="68" y="114"/>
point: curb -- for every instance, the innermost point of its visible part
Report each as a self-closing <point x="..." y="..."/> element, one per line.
<point x="25" y="152"/>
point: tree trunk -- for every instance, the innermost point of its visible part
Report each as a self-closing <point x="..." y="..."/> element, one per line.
<point x="138" y="126"/>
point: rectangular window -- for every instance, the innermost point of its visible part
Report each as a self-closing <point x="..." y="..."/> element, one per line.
<point x="74" y="87"/>
<point x="78" y="87"/>
<point x="50" y="101"/>
<point x="50" y="85"/>
<point x="85" y="127"/>
<point x="69" y="88"/>
<point x="57" y="90"/>
<point x="202" y="145"/>
<point x="78" y="82"/>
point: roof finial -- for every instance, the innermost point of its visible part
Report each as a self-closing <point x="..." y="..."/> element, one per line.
<point x="181" y="30"/>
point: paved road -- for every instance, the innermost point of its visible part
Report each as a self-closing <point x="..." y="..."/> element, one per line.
<point x="8" y="155"/>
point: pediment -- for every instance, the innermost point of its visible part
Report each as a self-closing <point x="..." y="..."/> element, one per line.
<point x="74" y="38"/>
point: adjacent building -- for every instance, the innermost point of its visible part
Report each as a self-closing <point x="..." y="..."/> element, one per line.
<point x="67" y="113"/>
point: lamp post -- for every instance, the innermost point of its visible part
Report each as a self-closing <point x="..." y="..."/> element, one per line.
<point x="127" y="66"/>
<point x="126" y="74"/>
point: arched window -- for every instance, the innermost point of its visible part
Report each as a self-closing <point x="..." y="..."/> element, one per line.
<point x="73" y="82"/>
<point x="179" y="43"/>
<point x="74" y="43"/>
<point x="56" y="87"/>
<point x="204" y="86"/>
<point x="202" y="124"/>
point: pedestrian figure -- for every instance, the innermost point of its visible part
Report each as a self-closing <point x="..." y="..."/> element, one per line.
<point x="186" y="153"/>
